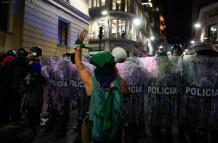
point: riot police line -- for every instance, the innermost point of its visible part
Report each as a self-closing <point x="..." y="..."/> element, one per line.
<point x="168" y="96"/>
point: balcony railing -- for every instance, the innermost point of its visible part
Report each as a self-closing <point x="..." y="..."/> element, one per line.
<point x="127" y="36"/>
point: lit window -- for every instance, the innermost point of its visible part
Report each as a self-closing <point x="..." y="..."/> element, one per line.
<point x="62" y="33"/>
<point x="118" y="28"/>
<point x="114" y="28"/>
<point x="94" y="3"/>
<point x="103" y="22"/>
<point x="126" y="1"/>
<point x="120" y="5"/>
<point x="98" y="3"/>
<point x="102" y="2"/>
<point x="114" y="5"/>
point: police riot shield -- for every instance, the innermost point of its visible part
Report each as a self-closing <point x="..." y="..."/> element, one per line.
<point x="63" y="82"/>
<point x="163" y="92"/>
<point x="200" y="91"/>
<point x="134" y="73"/>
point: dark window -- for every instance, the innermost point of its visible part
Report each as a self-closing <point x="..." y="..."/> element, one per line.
<point x="62" y="33"/>
<point x="4" y="5"/>
<point x="127" y="53"/>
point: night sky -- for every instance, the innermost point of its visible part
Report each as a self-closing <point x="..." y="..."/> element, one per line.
<point x="178" y="17"/>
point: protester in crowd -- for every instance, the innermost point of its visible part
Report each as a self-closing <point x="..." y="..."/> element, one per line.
<point x="2" y="89"/>
<point x="6" y="80"/>
<point x="80" y="104"/>
<point x="33" y="96"/>
<point x="106" y="89"/>
<point x="10" y="56"/>
<point x="20" y="69"/>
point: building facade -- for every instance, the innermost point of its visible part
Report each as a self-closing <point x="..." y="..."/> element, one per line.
<point x="52" y="25"/>
<point x="123" y="23"/>
<point x="208" y="17"/>
<point x="197" y="5"/>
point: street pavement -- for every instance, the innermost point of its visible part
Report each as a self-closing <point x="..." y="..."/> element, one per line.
<point x="18" y="133"/>
<point x="44" y="137"/>
<point x="13" y="133"/>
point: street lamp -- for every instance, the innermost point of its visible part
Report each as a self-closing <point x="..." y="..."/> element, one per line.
<point x="197" y="25"/>
<point x="152" y="38"/>
<point x="192" y="42"/>
<point x="137" y="21"/>
<point x="104" y="12"/>
<point x="196" y="31"/>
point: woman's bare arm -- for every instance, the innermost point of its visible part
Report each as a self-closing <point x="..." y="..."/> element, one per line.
<point x="85" y="75"/>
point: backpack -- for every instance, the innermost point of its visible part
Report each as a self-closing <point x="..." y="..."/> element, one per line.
<point x="105" y="111"/>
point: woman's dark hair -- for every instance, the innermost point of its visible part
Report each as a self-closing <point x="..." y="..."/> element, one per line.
<point x="105" y="75"/>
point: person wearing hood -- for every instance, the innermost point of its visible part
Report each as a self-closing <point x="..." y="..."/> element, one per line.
<point x="106" y="88"/>
<point x="7" y="67"/>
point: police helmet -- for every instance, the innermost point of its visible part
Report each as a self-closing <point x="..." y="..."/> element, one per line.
<point x="202" y="48"/>
<point x="36" y="51"/>
<point x="22" y="52"/>
<point x="176" y="50"/>
<point x="11" y="53"/>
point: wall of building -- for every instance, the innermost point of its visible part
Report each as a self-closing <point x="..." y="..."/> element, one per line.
<point x="197" y="5"/>
<point x="40" y="26"/>
<point x="208" y="17"/>
<point x="10" y="38"/>
<point x="119" y="27"/>
<point x="81" y="5"/>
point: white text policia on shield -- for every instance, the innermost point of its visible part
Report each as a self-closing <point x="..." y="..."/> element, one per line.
<point x="193" y="91"/>
<point x="162" y="90"/>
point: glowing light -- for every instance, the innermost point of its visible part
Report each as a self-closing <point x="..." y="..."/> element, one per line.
<point x="160" y="47"/>
<point x="147" y="3"/>
<point x="161" y="18"/>
<point x="192" y="41"/>
<point x="152" y="38"/>
<point x="197" y="25"/>
<point x="137" y="21"/>
<point x="104" y="12"/>
<point x="213" y="29"/>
